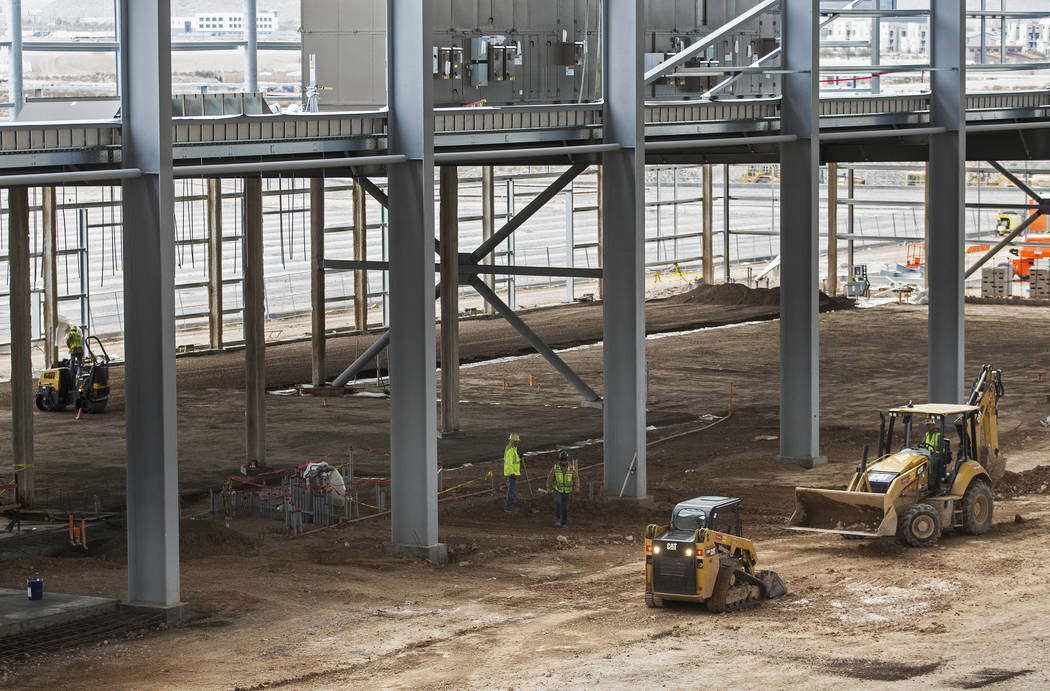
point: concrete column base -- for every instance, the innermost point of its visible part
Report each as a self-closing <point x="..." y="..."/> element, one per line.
<point x="437" y="554"/>
<point x="597" y="405"/>
<point x="626" y="500"/>
<point x="807" y="462"/>
<point x="169" y="613"/>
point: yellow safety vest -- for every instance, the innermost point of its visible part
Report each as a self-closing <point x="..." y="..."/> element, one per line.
<point x="932" y="442"/>
<point x="563" y="479"/>
<point x="74" y="341"/>
<point x="511" y="461"/>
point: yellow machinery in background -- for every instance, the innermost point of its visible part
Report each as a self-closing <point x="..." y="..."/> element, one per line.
<point x="916" y="493"/>
<point x="699" y="557"/>
<point x="86" y="390"/>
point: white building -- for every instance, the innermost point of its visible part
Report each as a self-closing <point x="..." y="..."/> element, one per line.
<point x="232" y="22"/>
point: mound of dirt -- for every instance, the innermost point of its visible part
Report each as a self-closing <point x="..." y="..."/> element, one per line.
<point x="739" y="295"/>
<point x="197" y="540"/>
<point x="1034" y="481"/>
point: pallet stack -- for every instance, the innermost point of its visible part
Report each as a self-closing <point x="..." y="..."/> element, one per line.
<point x="1040" y="284"/>
<point x="996" y="282"/>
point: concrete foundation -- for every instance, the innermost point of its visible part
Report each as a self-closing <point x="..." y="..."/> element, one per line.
<point x="19" y="614"/>
<point x="438" y="554"/>
<point x="808" y="462"/>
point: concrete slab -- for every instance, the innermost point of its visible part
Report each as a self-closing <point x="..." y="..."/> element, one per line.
<point x="19" y="614"/>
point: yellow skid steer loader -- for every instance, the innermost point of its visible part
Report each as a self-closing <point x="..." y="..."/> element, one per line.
<point x="915" y="492"/>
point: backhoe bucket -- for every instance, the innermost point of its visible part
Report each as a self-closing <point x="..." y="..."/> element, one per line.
<point x="849" y="513"/>
<point x="774" y="587"/>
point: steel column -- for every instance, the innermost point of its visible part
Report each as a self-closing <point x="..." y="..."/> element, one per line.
<point x="360" y="254"/>
<point x="624" y="250"/>
<point x="601" y="226"/>
<point x="449" y="229"/>
<point x="413" y="418"/>
<point x="800" y="237"/>
<point x="317" y="285"/>
<point x="708" y="225"/>
<point x="215" y="309"/>
<point x="49" y="223"/>
<point x="254" y="323"/>
<point x="149" y="305"/>
<point x="725" y="223"/>
<point x="251" y="48"/>
<point x="488" y="222"/>
<point x="833" y="229"/>
<point x="21" y="344"/>
<point x="947" y="188"/>
<point x="850" y="223"/>
<point x="14" y="56"/>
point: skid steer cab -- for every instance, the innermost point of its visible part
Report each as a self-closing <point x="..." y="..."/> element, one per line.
<point x="60" y="386"/>
<point x="937" y="474"/>
<point x="699" y="557"/>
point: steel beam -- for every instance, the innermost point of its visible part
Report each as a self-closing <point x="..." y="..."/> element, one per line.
<point x="708" y="225"/>
<point x="215" y="310"/>
<point x="317" y="282"/>
<point x="360" y="254"/>
<point x="800" y="237"/>
<point x="1003" y="243"/>
<point x="413" y="419"/>
<point x="947" y="187"/>
<point x="251" y="47"/>
<point x="600" y="199"/>
<point x="545" y="351"/>
<point x="625" y="379"/>
<point x="21" y="345"/>
<point x="254" y="324"/>
<point x="49" y="229"/>
<point x="449" y="199"/>
<point x="519" y="219"/>
<point x="149" y="306"/>
<point x="14" y="57"/>
<point x="728" y="278"/>
<point x="1017" y="182"/>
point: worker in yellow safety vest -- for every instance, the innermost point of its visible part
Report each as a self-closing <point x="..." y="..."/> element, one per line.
<point x="75" y="344"/>
<point x="939" y="456"/>
<point x="562" y="481"/>
<point x="511" y="470"/>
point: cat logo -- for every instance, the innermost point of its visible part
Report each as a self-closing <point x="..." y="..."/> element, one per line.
<point x="671" y="547"/>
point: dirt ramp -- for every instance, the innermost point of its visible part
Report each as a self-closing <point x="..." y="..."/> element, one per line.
<point x="739" y="295"/>
<point x="197" y="540"/>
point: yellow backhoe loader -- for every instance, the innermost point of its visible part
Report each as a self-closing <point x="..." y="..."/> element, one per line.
<point x="915" y="492"/>
<point x="699" y="557"/>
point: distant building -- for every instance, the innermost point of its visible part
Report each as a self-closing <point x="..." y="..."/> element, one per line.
<point x="225" y="23"/>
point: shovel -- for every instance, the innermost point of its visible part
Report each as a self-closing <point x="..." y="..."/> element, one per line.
<point x="534" y="507"/>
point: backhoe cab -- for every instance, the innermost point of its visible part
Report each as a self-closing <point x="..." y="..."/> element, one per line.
<point x="914" y="492"/>
<point x="698" y="557"/>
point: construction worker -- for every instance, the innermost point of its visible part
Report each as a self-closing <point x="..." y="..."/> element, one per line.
<point x="75" y="344"/>
<point x="511" y="469"/>
<point x="932" y="441"/>
<point x="940" y="452"/>
<point x="562" y="481"/>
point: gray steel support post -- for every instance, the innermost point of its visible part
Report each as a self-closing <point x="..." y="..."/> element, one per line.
<point x="49" y="228"/>
<point x="149" y="307"/>
<point x="708" y="225"/>
<point x="360" y="254"/>
<point x="254" y="324"/>
<point x="601" y="226"/>
<point x="946" y="183"/>
<point x="317" y="287"/>
<point x="21" y="344"/>
<point x="624" y="250"/>
<point x="449" y="228"/>
<point x="833" y="229"/>
<point x="251" y="46"/>
<point x="14" y="55"/>
<point x="413" y="417"/>
<point x="725" y="223"/>
<point x="215" y="315"/>
<point x="850" y="222"/>
<point x="800" y="237"/>
<point x="488" y="222"/>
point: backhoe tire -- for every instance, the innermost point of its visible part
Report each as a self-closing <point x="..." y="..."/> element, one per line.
<point x="920" y="526"/>
<point x="653" y="600"/>
<point x="977" y="507"/>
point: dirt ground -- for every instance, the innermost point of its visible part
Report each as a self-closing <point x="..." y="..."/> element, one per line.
<point x="526" y="604"/>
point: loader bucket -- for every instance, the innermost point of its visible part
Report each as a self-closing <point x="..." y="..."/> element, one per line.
<point x="774" y="587"/>
<point x="848" y="513"/>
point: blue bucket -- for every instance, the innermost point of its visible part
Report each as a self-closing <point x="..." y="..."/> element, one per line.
<point x="35" y="588"/>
